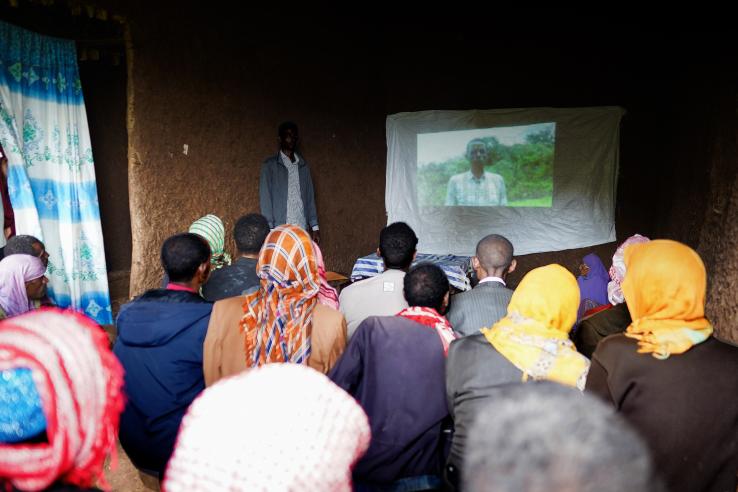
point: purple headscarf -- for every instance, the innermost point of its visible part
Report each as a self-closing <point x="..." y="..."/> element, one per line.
<point x="593" y="286"/>
<point x="15" y="271"/>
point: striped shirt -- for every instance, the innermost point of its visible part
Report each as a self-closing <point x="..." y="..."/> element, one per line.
<point x="295" y="207"/>
<point x="466" y="190"/>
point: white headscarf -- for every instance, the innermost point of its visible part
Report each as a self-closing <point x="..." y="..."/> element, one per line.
<point x="278" y="427"/>
<point x="617" y="270"/>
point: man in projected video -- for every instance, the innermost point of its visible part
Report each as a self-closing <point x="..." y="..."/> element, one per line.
<point x="476" y="187"/>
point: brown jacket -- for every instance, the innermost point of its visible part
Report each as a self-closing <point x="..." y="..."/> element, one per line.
<point x="223" y="351"/>
<point x="685" y="407"/>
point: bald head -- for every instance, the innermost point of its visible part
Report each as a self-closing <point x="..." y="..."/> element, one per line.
<point x="495" y="255"/>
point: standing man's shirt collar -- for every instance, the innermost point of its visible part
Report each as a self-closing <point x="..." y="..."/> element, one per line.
<point x="493" y="279"/>
<point x="287" y="161"/>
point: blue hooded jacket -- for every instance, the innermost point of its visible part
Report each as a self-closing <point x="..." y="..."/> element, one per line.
<point x="160" y="339"/>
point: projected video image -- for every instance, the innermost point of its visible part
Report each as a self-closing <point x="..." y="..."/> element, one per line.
<point x="490" y="167"/>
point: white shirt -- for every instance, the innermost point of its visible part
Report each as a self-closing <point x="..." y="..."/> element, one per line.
<point x="380" y="295"/>
<point x="295" y="207"/>
<point x="493" y="279"/>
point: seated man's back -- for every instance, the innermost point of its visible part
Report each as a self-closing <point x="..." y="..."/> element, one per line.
<point x="486" y="303"/>
<point x="160" y="339"/>
<point x="159" y="344"/>
<point x="382" y="295"/>
<point x="394" y="367"/>
<point x="375" y="296"/>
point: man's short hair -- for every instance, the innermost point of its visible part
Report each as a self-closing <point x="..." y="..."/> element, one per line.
<point x="286" y="125"/>
<point x="472" y="143"/>
<point x="397" y="243"/>
<point x="542" y="436"/>
<point x="250" y="232"/>
<point x="494" y="252"/>
<point x="425" y="285"/>
<point x="182" y="254"/>
<point x="21" y="245"/>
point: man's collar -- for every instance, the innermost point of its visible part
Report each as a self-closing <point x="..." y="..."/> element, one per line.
<point x="473" y="178"/>
<point x="285" y="158"/>
<point x="492" y="279"/>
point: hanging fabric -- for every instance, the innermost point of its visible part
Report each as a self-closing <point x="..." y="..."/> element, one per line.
<point x="51" y="176"/>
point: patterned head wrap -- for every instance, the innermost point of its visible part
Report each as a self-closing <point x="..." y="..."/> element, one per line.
<point x="327" y="295"/>
<point x="617" y="270"/>
<point x="665" y="291"/>
<point x="79" y="381"/>
<point x="15" y="271"/>
<point x="534" y="335"/>
<point x="279" y="427"/>
<point x="212" y="230"/>
<point x="278" y="317"/>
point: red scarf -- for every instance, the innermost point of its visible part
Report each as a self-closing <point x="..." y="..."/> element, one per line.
<point x="430" y="317"/>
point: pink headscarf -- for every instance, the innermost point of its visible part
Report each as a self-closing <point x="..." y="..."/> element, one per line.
<point x="276" y="427"/>
<point x="327" y="295"/>
<point x="617" y="270"/>
<point x="15" y="271"/>
<point x="80" y="382"/>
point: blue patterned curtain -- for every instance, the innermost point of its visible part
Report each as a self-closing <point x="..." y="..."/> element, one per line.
<point x="51" y="179"/>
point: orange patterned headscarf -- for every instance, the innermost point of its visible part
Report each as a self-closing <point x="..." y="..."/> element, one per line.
<point x="278" y="317"/>
<point x="665" y="292"/>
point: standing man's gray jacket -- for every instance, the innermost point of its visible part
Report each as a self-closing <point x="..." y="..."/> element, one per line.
<point x="273" y="192"/>
<point x="478" y="308"/>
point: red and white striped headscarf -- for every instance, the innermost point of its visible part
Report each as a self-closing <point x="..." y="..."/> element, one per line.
<point x="280" y="427"/>
<point x="79" y="381"/>
<point x="278" y="317"/>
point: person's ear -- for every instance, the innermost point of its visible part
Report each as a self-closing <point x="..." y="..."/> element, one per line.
<point x="378" y="253"/>
<point x="475" y="262"/>
<point x="415" y="255"/>
<point x="444" y="304"/>
<point x="203" y="272"/>
<point x="513" y="265"/>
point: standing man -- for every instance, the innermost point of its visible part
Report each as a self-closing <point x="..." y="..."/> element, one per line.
<point x="476" y="187"/>
<point x="286" y="191"/>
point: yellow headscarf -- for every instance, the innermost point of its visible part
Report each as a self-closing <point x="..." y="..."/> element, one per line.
<point x="534" y="334"/>
<point x="664" y="288"/>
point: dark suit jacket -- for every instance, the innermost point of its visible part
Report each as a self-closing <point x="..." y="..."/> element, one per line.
<point x="480" y="307"/>
<point x="474" y="371"/>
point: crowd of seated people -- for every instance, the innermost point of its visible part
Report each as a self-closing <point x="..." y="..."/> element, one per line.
<point x="255" y="374"/>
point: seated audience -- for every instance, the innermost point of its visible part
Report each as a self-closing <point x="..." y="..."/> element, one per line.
<point x="543" y="437"/>
<point x="382" y="295"/>
<point x="531" y="342"/>
<point x="27" y="245"/>
<point x="160" y="338"/>
<point x="667" y="375"/>
<point x="592" y="284"/>
<point x="394" y="367"/>
<point x="487" y="302"/>
<point x="60" y="400"/>
<point x="284" y="308"/>
<point x="615" y="317"/>
<point x="240" y="277"/>
<point x="22" y="283"/>
<point x="279" y="427"/>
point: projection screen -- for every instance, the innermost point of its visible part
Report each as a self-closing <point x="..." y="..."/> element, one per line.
<point x="545" y="178"/>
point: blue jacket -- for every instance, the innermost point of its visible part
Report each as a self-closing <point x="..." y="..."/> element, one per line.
<point x="273" y="192"/>
<point x="160" y="338"/>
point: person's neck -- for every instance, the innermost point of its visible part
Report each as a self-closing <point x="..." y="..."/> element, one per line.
<point x="251" y="256"/>
<point x="477" y="170"/>
<point x="289" y="153"/>
<point x="399" y="269"/>
<point x="482" y="274"/>
<point x="193" y="285"/>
